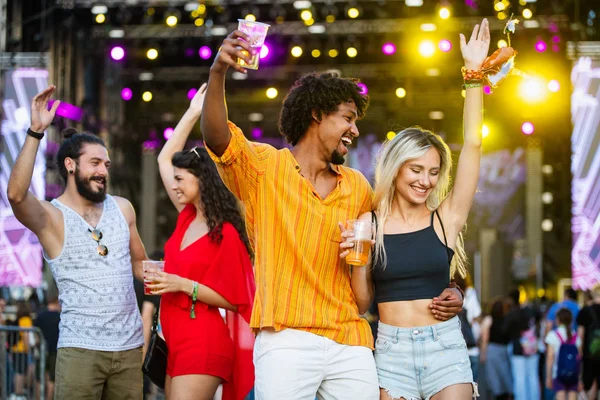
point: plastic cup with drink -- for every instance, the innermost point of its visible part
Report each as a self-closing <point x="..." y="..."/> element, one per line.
<point x="151" y="267"/>
<point x="362" y="236"/>
<point x="257" y="32"/>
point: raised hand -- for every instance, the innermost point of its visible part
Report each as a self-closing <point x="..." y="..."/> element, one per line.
<point x="198" y="100"/>
<point x="231" y="50"/>
<point x="41" y="117"/>
<point x="476" y="51"/>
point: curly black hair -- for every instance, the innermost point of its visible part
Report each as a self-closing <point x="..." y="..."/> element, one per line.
<point x="319" y="92"/>
<point x="218" y="203"/>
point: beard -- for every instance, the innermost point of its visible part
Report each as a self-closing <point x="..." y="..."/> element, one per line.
<point x="84" y="188"/>
<point x="337" y="158"/>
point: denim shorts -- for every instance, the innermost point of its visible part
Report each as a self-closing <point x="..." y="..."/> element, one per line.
<point x="417" y="363"/>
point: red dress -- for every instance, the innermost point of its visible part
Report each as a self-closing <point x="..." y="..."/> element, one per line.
<point x="206" y="344"/>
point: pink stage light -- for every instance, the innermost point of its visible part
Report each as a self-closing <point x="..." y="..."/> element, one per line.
<point x="257" y="132"/>
<point x="117" y="53"/>
<point x="527" y="128"/>
<point x="445" y="45"/>
<point x="555" y="48"/>
<point x="205" y="52"/>
<point x="168" y="132"/>
<point x="264" y="51"/>
<point x="556" y="39"/>
<point x="363" y="88"/>
<point x="487" y="89"/>
<point x="191" y="93"/>
<point x="541" y="46"/>
<point x="126" y="94"/>
<point x="388" y="49"/>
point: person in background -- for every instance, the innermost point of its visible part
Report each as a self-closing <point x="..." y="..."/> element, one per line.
<point x="48" y="321"/>
<point x="21" y="346"/>
<point x="472" y="309"/>
<point x="494" y="352"/>
<point x="556" y="339"/>
<point x="147" y="304"/>
<point x="588" y="321"/>
<point x="522" y="327"/>
<point x="570" y="303"/>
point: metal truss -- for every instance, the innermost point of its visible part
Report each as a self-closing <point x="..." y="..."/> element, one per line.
<point x="25" y="60"/>
<point x="297" y="28"/>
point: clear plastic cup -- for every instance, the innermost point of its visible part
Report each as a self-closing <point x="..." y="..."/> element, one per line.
<point x="150" y="268"/>
<point x="257" y="32"/>
<point x="363" y="234"/>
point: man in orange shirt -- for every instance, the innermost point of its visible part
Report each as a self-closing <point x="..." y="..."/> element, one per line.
<point x="311" y="339"/>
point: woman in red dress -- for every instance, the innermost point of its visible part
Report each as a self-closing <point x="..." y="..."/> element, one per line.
<point x="207" y="267"/>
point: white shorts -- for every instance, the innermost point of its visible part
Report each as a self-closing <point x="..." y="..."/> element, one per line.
<point x="298" y="365"/>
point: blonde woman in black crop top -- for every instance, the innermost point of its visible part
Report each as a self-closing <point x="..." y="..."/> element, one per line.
<point x="418" y="248"/>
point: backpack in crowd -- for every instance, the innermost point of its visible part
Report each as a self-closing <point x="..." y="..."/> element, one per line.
<point x="592" y="337"/>
<point x="528" y="339"/>
<point x="567" y="366"/>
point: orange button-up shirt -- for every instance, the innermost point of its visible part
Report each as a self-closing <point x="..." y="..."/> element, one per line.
<point x="301" y="282"/>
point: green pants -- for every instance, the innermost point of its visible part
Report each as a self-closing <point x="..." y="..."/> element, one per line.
<point x="98" y="375"/>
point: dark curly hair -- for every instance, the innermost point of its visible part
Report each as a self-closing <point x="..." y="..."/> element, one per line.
<point x="319" y="92"/>
<point x="71" y="147"/>
<point x="218" y="203"/>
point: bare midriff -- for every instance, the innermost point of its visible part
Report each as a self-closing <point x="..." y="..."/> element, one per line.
<point x="407" y="314"/>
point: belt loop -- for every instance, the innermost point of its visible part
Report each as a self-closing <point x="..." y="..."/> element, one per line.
<point x="397" y="336"/>
<point x="435" y="334"/>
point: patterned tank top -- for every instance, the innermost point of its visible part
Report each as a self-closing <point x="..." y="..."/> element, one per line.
<point x="99" y="308"/>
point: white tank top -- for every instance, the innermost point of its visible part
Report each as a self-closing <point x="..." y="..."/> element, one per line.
<point x="99" y="308"/>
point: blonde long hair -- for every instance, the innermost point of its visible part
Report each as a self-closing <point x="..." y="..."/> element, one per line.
<point x="409" y="144"/>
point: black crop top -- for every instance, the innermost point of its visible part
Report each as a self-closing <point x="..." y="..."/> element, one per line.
<point x="418" y="265"/>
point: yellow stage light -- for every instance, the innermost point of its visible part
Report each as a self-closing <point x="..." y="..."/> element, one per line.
<point x="250" y="17"/>
<point x="147" y="96"/>
<point x="527" y="13"/>
<point x="553" y="86"/>
<point x="296" y="51"/>
<point x="499" y="6"/>
<point x="316" y="53"/>
<point x="390" y="135"/>
<point x="306" y="15"/>
<point x="272" y="93"/>
<point x="333" y="53"/>
<point x="485" y="130"/>
<point x="401" y="93"/>
<point x="152" y="54"/>
<point x="532" y="90"/>
<point x="444" y="13"/>
<point x="309" y="22"/>
<point x="100" y="18"/>
<point x="199" y="22"/>
<point x="502" y="15"/>
<point x="502" y="43"/>
<point x="330" y="19"/>
<point x="201" y="8"/>
<point x="353" y="12"/>
<point x="426" y="48"/>
<point x="351" y="52"/>
<point x="171" y="20"/>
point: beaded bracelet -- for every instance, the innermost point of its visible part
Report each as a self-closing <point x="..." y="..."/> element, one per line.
<point x="194" y="297"/>
<point x="472" y="84"/>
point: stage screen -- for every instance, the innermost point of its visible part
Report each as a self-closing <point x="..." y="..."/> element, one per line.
<point x="585" y="167"/>
<point x="20" y="251"/>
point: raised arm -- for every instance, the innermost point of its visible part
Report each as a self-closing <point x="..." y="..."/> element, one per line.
<point x="30" y="211"/>
<point x="214" y="116"/>
<point x="177" y="142"/>
<point x="460" y="199"/>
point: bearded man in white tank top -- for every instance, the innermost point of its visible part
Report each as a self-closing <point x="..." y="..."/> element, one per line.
<point x="92" y="245"/>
